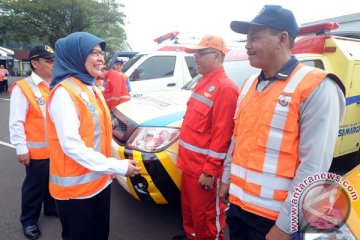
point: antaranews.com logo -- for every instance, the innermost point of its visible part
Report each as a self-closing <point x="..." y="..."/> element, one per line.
<point x="321" y="201"/>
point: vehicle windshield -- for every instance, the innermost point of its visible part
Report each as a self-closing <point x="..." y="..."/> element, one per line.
<point x="238" y="71"/>
<point x="132" y="61"/>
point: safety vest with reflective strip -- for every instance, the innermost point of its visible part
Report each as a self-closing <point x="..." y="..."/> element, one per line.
<point x="35" y="122"/>
<point x="68" y="179"/>
<point x="3" y="74"/>
<point x="266" y="152"/>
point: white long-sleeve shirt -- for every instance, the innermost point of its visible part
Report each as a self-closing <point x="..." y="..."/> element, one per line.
<point x="320" y="115"/>
<point x="19" y="106"/>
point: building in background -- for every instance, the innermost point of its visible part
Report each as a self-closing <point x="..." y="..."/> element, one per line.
<point x="21" y="63"/>
<point x="6" y="58"/>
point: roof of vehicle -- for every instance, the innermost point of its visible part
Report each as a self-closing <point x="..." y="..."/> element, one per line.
<point x="236" y="54"/>
<point x="312" y="38"/>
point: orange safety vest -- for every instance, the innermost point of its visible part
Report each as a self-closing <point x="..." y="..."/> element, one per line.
<point x="68" y="179"/>
<point x="3" y="76"/>
<point x="35" y="122"/>
<point x="266" y="152"/>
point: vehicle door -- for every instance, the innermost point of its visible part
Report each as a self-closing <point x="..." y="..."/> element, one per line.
<point x="155" y="73"/>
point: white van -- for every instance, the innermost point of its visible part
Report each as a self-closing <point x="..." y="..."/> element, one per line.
<point x="159" y="71"/>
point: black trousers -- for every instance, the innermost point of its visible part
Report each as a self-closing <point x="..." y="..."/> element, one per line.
<point x="1" y="86"/>
<point x="85" y="218"/>
<point x="6" y="87"/>
<point x="35" y="192"/>
<point x="244" y="225"/>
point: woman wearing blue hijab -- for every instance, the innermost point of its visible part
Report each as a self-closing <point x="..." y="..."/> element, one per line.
<point x="79" y="136"/>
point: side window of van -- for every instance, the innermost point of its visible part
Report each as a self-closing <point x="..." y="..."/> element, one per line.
<point x="190" y="62"/>
<point x="155" y="67"/>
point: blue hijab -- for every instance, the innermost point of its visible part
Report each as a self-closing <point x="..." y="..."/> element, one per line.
<point x="70" y="56"/>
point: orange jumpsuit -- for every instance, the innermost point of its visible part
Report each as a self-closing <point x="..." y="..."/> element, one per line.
<point x="204" y="140"/>
<point x="115" y="91"/>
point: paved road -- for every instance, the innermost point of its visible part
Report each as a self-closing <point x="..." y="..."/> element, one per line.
<point x="130" y="219"/>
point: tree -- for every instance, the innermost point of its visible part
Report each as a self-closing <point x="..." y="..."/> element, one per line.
<point x="33" y="21"/>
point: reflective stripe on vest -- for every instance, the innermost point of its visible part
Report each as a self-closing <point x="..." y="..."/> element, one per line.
<point x="41" y="103"/>
<point x="36" y="144"/>
<point x="271" y="155"/>
<point x="38" y="95"/>
<point x="95" y="117"/>
<point x="202" y="99"/>
<point x="202" y="150"/>
<point x="88" y="177"/>
<point x="248" y="83"/>
<point x="73" y="181"/>
<point x="261" y="202"/>
<point x="268" y="181"/>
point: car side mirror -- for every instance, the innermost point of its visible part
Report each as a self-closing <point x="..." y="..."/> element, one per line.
<point x="135" y="75"/>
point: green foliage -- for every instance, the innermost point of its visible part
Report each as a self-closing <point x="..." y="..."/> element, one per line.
<point x="33" y="21"/>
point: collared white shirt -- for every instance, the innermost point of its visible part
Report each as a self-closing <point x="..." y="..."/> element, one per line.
<point x="19" y="106"/>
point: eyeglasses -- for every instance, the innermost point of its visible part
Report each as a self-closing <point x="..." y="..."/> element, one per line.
<point x="48" y="61"/>
<point x="97" y="53"/>
<point x="203" y="53"/>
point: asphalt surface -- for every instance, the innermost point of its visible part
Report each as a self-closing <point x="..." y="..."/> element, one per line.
<point x="130" y="219"/>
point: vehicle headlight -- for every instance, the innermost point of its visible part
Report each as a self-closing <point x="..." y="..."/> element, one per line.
<point x="152" y="139"/>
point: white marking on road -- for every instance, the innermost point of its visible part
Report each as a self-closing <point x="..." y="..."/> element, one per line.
<point x="6" y="99"/>
<point x="7" y="144"/>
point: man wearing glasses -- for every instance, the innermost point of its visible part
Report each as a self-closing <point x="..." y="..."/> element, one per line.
<point x="204" y="140"/>
<point x="27" y="133"/>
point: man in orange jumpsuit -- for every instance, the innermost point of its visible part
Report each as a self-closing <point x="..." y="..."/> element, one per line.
<point x="204" y="140"/>
<point x="115" y="91"/>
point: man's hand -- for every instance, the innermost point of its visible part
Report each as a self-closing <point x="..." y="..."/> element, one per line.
<point x="206" y="181"/>
<point x="24" y="159"/>
<point x="224" y="192"/>
<point x="133" y="170"/>
<point x="276" y="233"/>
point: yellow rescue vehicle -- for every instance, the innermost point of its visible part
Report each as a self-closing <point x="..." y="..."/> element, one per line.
<point x="337" y="53"/>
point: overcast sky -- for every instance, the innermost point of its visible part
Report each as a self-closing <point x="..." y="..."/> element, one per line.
<point x="149" y="19"/>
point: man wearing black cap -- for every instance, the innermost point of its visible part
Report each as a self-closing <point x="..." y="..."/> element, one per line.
<point x="27" y="133"/>
<point x="286" y="126"/>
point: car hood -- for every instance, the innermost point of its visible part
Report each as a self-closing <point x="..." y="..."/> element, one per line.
<point x="160" y="109"/>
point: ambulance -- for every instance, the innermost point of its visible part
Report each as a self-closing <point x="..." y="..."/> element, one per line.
<point x="147" y="129"/>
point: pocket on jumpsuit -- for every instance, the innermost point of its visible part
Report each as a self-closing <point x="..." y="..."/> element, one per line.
<point x="198" y="118"/>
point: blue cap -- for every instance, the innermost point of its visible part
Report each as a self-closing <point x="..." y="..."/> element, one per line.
<point x="273" y="16"/>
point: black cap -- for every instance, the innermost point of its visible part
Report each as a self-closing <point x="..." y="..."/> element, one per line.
<point x="273" y="16"/>
<point x="43" y="51"/>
